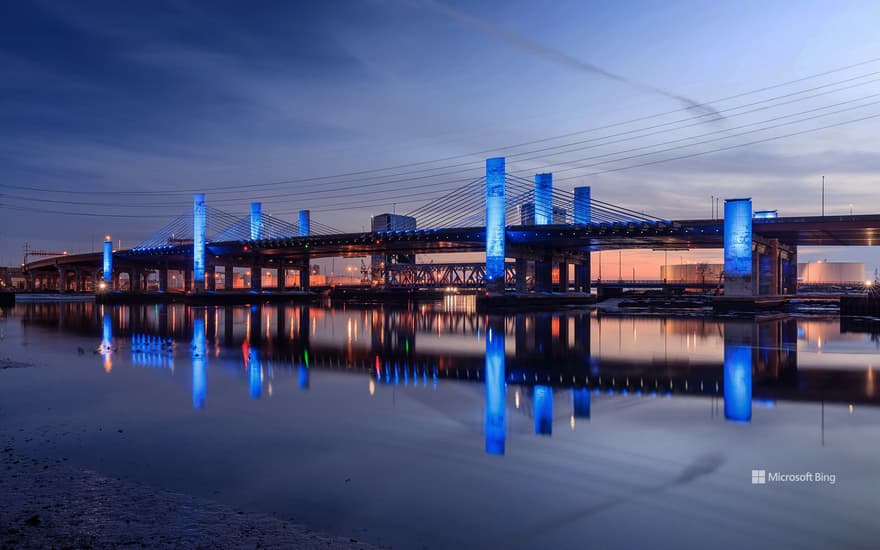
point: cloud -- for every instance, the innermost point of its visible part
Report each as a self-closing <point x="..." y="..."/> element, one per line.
<point x="559" y="57"/>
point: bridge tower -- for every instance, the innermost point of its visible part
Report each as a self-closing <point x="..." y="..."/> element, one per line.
<point x="199" y="226"/>
<point x="738" y="280"/>
<point x="256" y="233"/>
<point x="496" y="180"/>
<point x="107" y="272"/>
<point x="544" y="216"/>
<point x="582" y="216"/>
<point x="304" y="231"/>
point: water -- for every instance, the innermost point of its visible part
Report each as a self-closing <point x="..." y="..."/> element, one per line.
<point x="438" y="427"/>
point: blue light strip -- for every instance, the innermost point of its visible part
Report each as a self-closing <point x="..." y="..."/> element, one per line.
<point x="738" y="247"/>
<point x="582" y="204"/>
<point x="495" y="222"/>
<point x="304" y="223"/>
<point x="496" y="413"/>
<point x="199" y="223"/>
<point x="256" y="221"/>
<point x="108" y="261"/>
<point x="543" y="199"/>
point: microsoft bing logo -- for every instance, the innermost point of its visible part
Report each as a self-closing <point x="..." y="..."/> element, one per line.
<point x="759" y="477"/>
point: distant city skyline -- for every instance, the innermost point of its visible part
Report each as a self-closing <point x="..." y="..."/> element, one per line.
<point x="114" y="115"/>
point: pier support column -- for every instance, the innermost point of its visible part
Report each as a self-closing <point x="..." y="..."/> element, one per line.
<point x="563" y="276"/>
<point x="163" y="279"/>
<point x="304" y="277"/>
<point x="282" y="277"/>
<point x="582" y="277"/>
<point x="544" y="274"/>
<point x="739" y="277"/>
<point x="495" y="223"/>
<point x="62" y="279"/>
<point x="256" y="277"/>
<point x="522" y="268"/>
<point x="210" y="278"/>
<point x="228" y="277"/>
<point x="788" y="269"/>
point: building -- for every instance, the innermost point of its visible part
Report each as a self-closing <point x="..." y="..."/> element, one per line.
<point x="831" y="272"/>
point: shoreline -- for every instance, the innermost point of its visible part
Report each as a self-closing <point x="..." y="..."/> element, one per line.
<point x="49" y="504"/>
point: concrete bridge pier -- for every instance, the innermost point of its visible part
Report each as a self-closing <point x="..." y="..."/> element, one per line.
<point x="522" y="268"/>
<point x="563" y="276"/>
<point x="163" y="279"/>
<point x="210" y="278"/>
<point x="281" y="274"/>
<point x="754" y="267"/>
<point x="62" y="280"/>
<point x="228" y="276"/>
<point x="582" y="276"/>
<point x="304" y="277"/>
<point x="544" y="274"/>
<point x="256" y="276"/>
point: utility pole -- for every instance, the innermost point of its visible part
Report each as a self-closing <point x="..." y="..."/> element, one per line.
<point x="712" y="200"/>
<point x="823" y="196"/>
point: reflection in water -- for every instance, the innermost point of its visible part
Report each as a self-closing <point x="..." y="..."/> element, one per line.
<point x="255" y="373"/>
<point x="199" y="377"/>
<point x="737" y="382"/>
<point x="496" y="413"/>
<point x="748" y="362"/>
<point x="303" y="373"/>
<point x="106" y="348"/>
<point x="543" y="404"/>
<point x="580" y="402"/>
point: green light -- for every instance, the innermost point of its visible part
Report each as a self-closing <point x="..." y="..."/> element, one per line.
<point x="306" y="356"/>
<point x="406" y="345"/>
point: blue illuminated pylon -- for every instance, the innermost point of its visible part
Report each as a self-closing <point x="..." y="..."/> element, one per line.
<point x="543" y="199"/>
<point x="582" y="204"/>
<point x="199" y="223"/>
<point x="256" y="221"/>
<point x="738" y="279"/>
<point x="304" y="223"/>
<point x="496" y="412"/>
<point x="495" y="222"/>
<point x="108" y="262"/>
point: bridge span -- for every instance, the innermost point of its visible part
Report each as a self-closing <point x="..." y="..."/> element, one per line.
<point x="760" y="253"/>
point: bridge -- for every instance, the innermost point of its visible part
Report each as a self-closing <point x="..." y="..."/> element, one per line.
<point x="199" y="251"/>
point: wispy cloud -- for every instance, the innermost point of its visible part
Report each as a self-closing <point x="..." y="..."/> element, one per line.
<point x="559" y="57"/>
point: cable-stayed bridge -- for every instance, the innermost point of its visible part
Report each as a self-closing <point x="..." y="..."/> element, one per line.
<point x="529" y="231"/>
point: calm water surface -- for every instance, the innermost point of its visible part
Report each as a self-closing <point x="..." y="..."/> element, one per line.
<point x="437" y="427"/>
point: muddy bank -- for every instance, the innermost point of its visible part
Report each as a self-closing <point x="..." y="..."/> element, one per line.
<point x="47" y="504"/>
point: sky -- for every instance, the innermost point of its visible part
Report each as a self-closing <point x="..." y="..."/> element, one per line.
<point x="113" y="114"/>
